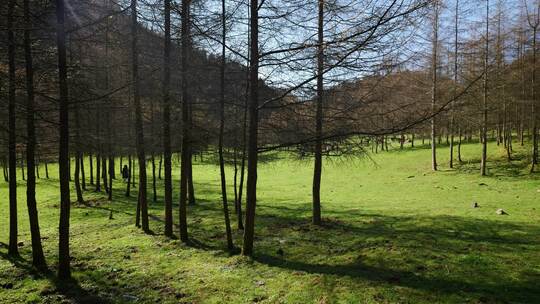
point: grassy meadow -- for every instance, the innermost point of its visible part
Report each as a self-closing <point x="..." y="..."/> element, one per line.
<point x="394" y="232"/>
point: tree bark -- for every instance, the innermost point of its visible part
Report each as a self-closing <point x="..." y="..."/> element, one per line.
<point x="434" y="68"/>
<point x="153" y="159"/>
<point x="64" y="270"/>
<point x="167" y="155"/>
<point x="83" y="175"/>
<point x="138" y="119"/>
<point x="251" y="198"/>
<point x="91" y="169"/>
<point x="317" y="168"/>
<point x="98" y="173"/>
<point x="452" y="106"/>
<point x="230" y="245"/>
<point x="483" y="162"/>
<point x="186" y="126"/>
<point x="13" y="250"/>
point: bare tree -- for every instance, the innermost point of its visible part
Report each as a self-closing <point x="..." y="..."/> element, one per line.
<point x="435" y="72"/>
<point x="186" y="121"/>
<point x="316" y="218"/>
<point x="483" y="163"/>
<point x="64" y="269"/>
<point x="230" y="244"/>
<point x="252" y="153"/>
<point x="167" y="120"/>
<point x="142" y="198"/>
<point x="534" y="21"/>
<point x="13" y="250"/>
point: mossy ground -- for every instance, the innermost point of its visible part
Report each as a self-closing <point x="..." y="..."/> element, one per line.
<point x="394" y="232"/>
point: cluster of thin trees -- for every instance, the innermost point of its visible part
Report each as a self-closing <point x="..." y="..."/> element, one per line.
<point x="139" y="81"/>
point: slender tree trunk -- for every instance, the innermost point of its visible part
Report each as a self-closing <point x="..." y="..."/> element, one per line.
<point x="534" y="159"/>
<point x="138" y="119"/>
<point x="167" y="122"/>
<point x="240" y="215"/>
<point x="38" y="258"/>
<point x="251" y="199"/>
<point x="459" y="145"/>
<point x="111" y="173"/>
<point x="434" y="65"/>
<point x="78" y="188"/>
<point x="98" y="173"/>
<point x="235" y="180"/>
<point x="78" y="157"/>
<point x="91" y="169"/>
<point x="228" y="232"/>
<point x="153" y="159"/>
<point x="160" y="166"/>
<point x="186" y="141"/>
<point x="317" y="168"/>
<point x="104" y="173"/>
<point x="452" y="116"/>
<point x="46" y="170"/>
<point x="13" y="250"/>
<point x="133" y="184"/>
<point x="22" y="166"/>
<point x="483" y="162"/>
<point x="83" y="175"/>
<point x="191" y="188"/>
<point x="64" y="270"/>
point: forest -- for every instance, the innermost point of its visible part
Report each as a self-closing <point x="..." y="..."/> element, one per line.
<point x="269" y="151"/>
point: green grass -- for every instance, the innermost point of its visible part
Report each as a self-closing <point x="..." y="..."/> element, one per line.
<point x="394" y="232"/>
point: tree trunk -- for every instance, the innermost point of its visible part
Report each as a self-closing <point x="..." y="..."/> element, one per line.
<point x="36" y="166"/>
<point x="452" y="118"/>
<point x="98" y="173"/>
<point x="38" y="258"/>
<point x="111" y="174"/>
<point x="160" y="166"/>
<point x="13" y="250"/>
<point x="534" y="159"/>
<point x="91" y="169"/>
<point x="434" y="71"/>
<point x="235" y="180"/>
<point x="138" y="119"/>
<point x="483" y="162"/>
<point x="22" y="166"/>
<point x="104" y="173"/>
<point x="317" y="168"/>
<point x="83" y="175"/>
<point x="251" y="199"/>
<point x="154" y="179"/>
<point x="230" y="245"/>
<point x="64" y="271"/>
<point x="78" y="189"/>
<point x="166" y="122"/>
<point x="186" y="144"/>
<point x="459" y="145"/>
<point x="191" y="188"/>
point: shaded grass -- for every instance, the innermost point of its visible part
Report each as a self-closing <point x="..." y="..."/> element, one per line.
<point x="394" y="232"/>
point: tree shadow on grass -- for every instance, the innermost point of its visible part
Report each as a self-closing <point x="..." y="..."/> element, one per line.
<point x="410" y="252"/>
<point x="489" y="260"/>
<point x="500" y="167"/>
<point x="64" y="290"/>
